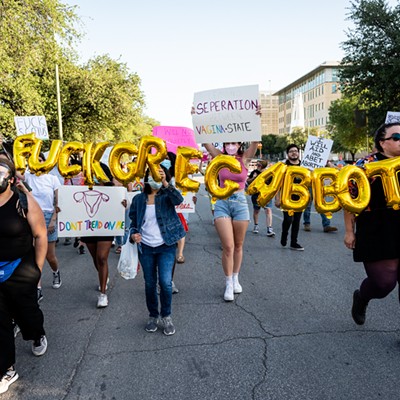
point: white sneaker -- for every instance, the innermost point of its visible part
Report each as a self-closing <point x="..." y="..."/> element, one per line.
<point x="237" y="287"/>
<point x="8" y="378"/>
<point x="255" y="230"/>
<point x="174" y="288"/>
<point x="39" y="347"/>
<point x="102" y="300"/>
<point x="108" y="280"/>
<point x="228" y="295"/>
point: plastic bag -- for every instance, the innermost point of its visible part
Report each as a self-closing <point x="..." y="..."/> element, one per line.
<point x="128" y="260"/>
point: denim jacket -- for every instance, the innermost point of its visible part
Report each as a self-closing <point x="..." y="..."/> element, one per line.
<point x="165" y="201"/>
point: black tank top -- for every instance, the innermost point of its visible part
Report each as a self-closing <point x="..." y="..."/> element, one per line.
<point x="16" y="238"/>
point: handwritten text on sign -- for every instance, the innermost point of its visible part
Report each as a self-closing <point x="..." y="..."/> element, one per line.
<point x="36" y="124"/>
<point x="316" y="153"/>
<point x="227" y="115"/>
<point x="85" y="212"/>
<point x="175" y="136"/>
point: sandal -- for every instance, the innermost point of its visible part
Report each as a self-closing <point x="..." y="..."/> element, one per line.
<point x="180" y="260"/>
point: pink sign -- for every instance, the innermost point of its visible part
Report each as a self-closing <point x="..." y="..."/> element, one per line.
<point x="175" y="136"/>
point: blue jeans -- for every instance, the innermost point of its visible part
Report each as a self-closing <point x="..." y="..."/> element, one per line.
<point x="307" y="214"/>
<point x="161" y="259"/>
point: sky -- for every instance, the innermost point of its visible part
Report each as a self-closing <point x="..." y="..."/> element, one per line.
<point x="179" y="47"/>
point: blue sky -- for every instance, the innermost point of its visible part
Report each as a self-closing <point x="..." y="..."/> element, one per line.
<point x="179" y="47"/>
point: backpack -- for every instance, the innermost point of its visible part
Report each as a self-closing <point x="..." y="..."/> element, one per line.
<point x="22" y="203"/>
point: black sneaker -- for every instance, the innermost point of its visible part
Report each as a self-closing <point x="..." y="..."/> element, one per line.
<point x="39" y="295"/>
<point x="359" y="308"/>
<point x="7" y="379"/>
<point x="76" y="243"/>
<point x="296" y="246"/>
<point x="283" y="240"/>
<point x="67" y="241"/>
<point x="81" y="249"/>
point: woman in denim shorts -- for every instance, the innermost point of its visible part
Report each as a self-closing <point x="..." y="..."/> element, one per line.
<point x="231" y="216"/>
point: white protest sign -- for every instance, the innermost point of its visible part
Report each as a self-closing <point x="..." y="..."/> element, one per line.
<point x="36" y="124"/>
<point x="85" y="212"/>
<point x="187" y="205"/>
<point x="316" y="153"/>
<point x="227" y="115"/>
<point x="392" y="117"/>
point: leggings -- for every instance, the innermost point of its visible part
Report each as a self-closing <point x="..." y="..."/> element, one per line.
<point x="382" y="277"/>
<point x="293" y="221"/>
<point x="18" y="301"/>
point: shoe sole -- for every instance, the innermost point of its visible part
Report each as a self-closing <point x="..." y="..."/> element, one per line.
<point x="169" y="333"/>
<point x="292" y="248"/>
<point x="271" y="234"/>
<point x="151" y="330"/>
<point x="57" y="286"/>
<point x="12" y="380"/>
<point x="41" y="353"/>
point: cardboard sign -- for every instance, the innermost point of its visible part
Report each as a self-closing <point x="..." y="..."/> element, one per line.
<point x="85" y="212"/>
<point x="36" y="124"/>
<point x="316" y="153"/>
<point x="227" y="115"/>
<point x="175" y="136"/>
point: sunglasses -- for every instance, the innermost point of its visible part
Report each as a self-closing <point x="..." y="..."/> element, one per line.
<point x="395" y="137"/>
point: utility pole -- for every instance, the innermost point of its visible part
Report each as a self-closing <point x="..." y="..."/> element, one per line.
<point x="60" y="130"/>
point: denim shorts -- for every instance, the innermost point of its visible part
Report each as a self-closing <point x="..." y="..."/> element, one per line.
<point x="51" y="237"/>
<point x="234" y="207"/>
<point x="256" y="206"/>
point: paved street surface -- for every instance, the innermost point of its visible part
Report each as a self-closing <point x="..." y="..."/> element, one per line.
<point x="289" y="335"/>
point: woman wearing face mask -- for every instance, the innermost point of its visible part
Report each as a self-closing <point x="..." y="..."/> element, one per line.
<point x="23" y="248"/>
<point x="231" y="216"/>
<point x="156" y="228"/>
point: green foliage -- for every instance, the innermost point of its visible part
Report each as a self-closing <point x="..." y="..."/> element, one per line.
<point x="372" y="58"/>
<point x="299" y="137"/>
<point x="346" y="136"/>
<point x="100" y="100"/>
<point x="273" y="146"/>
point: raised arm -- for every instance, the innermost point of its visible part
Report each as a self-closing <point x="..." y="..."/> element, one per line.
<point x="251" y="151"/>
<point x="212" y="149"/>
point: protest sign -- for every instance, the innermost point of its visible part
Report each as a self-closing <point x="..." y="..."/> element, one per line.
<point x="36" y="124"/>
<point x="85" y="212"/>
<point x="316" y="153"/>
<point x="175" y="136"/>
<point x="187" y="205"/>
<point x="392" y="117"/>
<point x="227" y="115"/>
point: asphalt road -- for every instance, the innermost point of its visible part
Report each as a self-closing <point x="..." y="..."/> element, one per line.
<point x="289" y="335"/>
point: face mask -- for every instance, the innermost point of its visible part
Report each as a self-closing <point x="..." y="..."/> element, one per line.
<point x="166" y="164"/>
<point x="3" y="182"/>
<point x="153" y="184"/>
<point x="231" y="149"/>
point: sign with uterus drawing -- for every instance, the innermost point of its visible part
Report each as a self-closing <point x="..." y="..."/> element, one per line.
<point x="91" y="212"/>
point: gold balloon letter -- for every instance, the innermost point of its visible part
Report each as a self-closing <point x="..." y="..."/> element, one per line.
<point x="356" y="174"/>
<point x="66" y="170"/>
<point x="114" y="161"/>
<point x="183" y="168"/>
<point x="387" y="169"/>
<point x="267" y="183"/>
<point x="320" y="190"/>
<point x="22" y="150"/>
<point x="211" y="176"/>
<point x="291" y="188"/>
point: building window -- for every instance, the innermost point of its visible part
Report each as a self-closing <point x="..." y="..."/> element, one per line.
<point x="334" y="88"/>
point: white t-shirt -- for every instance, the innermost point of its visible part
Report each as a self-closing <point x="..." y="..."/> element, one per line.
<point x="43" y="188"/>
<point x="151" y="234"/>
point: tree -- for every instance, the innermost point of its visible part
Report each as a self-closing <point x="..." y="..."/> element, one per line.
<point x="371" y="66"/>
<point x="273" y="145"/>
<point x="346" y="136"/>
<point x="34" y="35"/>
<point x="299" y="137"/>
<point x="101" y="100"/>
